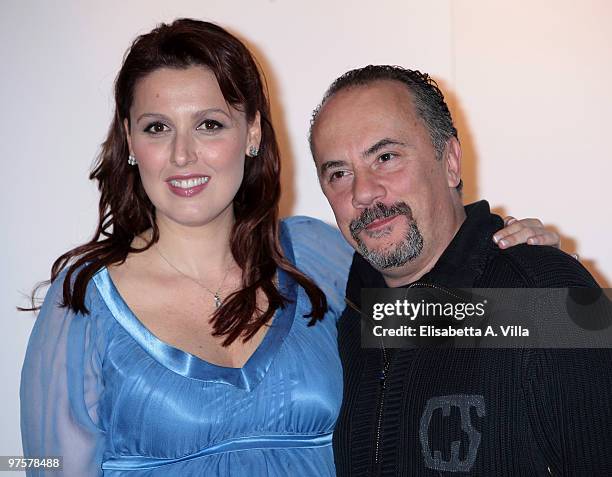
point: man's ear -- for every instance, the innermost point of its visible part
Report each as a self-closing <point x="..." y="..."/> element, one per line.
<point x="452" y="159"/>
<point x="126" y="126"/>
<point x="254" y="133"/>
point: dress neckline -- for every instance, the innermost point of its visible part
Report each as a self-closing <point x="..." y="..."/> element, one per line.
<point x="190" y="366"/>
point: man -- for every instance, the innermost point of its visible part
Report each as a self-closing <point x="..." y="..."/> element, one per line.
<point x="389" y="162"/>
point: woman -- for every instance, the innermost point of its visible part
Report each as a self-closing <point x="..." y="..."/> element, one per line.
<point x="175" y="341"/>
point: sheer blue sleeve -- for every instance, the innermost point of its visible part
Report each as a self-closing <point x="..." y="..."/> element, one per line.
<point x="321" y="252"/>
<point x="61" y="385"/>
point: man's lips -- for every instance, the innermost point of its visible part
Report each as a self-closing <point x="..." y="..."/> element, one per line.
<point x="379" y="223"/>
<point x="378" y="216"/>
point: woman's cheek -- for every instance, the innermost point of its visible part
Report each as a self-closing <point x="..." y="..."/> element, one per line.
<point x="226" y="155"/>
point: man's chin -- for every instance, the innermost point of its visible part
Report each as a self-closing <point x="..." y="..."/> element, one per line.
<point x="382" y="267"/>
<point x="380" y="246"/>
<point x="389" y="255"/>
<point x="384" y="258"/>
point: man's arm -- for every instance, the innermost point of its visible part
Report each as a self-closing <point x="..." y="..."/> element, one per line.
<point x="569" y="400"/>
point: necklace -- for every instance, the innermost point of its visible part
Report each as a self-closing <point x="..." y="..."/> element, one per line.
<point x="216" y="294"/>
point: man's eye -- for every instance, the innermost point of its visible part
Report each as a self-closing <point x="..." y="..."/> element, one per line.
<point x="156" y="128"/>
<point x="334" y="176"/>
<point x="210" y="124"/>
<point x="386" y="157"/>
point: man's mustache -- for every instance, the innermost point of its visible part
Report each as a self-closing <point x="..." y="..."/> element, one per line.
<point x="378" y="211"/>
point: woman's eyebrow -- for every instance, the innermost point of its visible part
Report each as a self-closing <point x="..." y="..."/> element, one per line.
<point x="201" y="112"/>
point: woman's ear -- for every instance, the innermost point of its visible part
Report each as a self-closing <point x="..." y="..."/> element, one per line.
<point x="253" y="136"/>
<point x="126" y="126"/>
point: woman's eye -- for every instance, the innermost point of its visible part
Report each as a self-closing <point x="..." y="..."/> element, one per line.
<point x="156" y="128"/>
<point x="210" y="124"/>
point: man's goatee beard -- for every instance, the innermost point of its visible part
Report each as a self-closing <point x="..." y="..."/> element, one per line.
<point x="405" y="251"/>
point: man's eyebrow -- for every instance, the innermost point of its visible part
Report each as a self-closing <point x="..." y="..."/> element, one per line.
<point x="329" y="165"/>
<point x="373" y="149"/>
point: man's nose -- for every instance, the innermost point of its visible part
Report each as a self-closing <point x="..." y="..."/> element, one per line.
<point x="184" y="151"/>
<point x="367" y="189"/>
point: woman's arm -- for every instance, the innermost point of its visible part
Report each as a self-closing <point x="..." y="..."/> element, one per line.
<point x="60" y="390"/>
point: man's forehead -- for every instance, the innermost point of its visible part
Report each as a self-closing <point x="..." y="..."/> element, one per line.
<point x="378" y="105"/>
<point x="378" y="94"/>
<point x="363" y="115"/>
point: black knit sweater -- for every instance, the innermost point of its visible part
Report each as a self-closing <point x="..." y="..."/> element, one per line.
<point x="445" y="412"/>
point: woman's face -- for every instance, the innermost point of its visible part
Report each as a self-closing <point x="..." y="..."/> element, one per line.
<point x="189" y="143"/>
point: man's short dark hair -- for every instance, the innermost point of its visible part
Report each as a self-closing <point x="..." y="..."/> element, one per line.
<point x="427" y="98"/>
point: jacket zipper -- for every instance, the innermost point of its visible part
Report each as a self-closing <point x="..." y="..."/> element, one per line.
<point x="384" y="373"/>
<point x="383" y="387"/>
<point x="383" y="379"/>
<point x="436" y="287"/>
<point x="381" y="405"/>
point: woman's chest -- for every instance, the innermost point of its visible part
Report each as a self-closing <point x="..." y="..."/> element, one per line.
<point x="289" y="386"/>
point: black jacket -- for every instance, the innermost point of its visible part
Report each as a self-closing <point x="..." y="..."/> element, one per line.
<point x="505" y="412"/>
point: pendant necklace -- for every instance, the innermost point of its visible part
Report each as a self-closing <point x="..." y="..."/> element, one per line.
<point x="216" y="294"/>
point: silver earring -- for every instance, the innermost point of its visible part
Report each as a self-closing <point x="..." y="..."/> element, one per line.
<point x="253" y="151"/>
<point x="132" y="160"/>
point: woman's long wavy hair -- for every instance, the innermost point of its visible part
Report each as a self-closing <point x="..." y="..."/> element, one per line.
<point x="125" y="211"/>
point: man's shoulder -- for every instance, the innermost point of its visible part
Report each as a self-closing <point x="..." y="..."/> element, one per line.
<point x="539" y="267"/>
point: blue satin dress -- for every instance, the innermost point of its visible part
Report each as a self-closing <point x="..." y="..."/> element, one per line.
<point x="112" y="399"/>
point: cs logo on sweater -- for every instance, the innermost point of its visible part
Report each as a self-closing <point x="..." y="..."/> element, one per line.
<point x="464" y="403"/>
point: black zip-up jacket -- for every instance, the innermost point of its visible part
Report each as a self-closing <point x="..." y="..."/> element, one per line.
<point x="480" y="412"/>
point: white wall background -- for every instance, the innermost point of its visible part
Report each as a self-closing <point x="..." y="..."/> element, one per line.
<point x="528" y="82"/>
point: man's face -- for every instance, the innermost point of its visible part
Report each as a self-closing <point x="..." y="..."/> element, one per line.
<point x="393" y="199"/>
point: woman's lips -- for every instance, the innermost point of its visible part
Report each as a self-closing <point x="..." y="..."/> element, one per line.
<point x="187" y="186"/>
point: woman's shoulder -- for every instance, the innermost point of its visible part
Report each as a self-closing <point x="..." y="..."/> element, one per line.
<point x="304" y="230"/>
<point x="306" y="236"/>
<point x="55" y="306"/>
<point x="320" y="251"/>
<point x="55" y="296"/>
